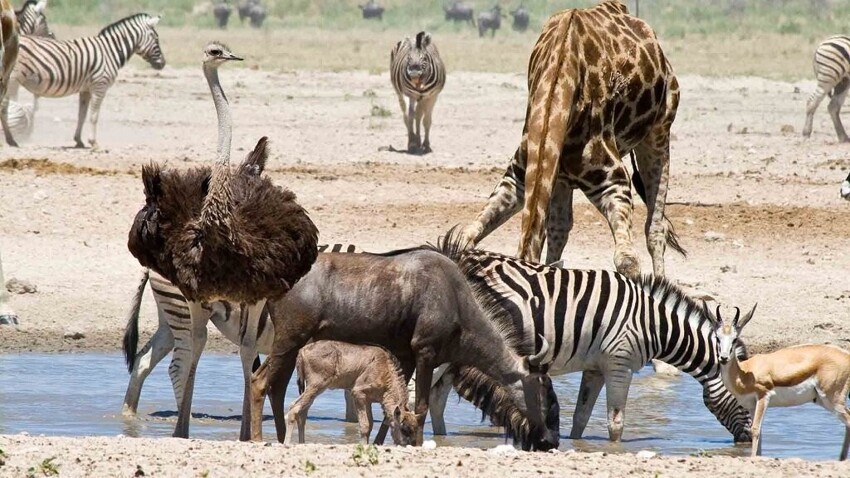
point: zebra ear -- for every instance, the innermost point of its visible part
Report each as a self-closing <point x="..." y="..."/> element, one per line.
<point x="423" y="39"/>
<point x="40" y="6"/>
<point x="154" y="20"/>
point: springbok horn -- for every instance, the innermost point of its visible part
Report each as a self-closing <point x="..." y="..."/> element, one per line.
<point x="535" y="360"/>
<point x="737" y="316"/>
<point x="719" y="319"/>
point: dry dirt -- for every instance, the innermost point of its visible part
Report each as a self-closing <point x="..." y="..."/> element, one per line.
<point x="756" y="205"/>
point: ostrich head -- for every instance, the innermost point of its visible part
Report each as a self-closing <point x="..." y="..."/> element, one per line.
<point x="216" y="53"/>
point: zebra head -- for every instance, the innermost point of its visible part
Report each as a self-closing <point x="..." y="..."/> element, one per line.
<point x="845" y="188"/>
<point x="148" y="46"/>
<point x="419" y="66"/>
<point x="32" y="20"/>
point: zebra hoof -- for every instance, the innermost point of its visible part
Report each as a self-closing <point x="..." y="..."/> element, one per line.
<point x="8" y="319"/>
<point x="79" y="145"/>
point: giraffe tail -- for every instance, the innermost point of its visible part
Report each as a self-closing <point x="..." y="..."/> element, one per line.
<point x="672" y="237"/>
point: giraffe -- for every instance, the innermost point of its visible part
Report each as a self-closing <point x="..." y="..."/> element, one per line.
<point x="599" y="87"/>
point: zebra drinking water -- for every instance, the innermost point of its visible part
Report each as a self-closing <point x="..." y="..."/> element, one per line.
<point x="605" y="325"/>
<point x="88" y="66"/>
<point x="418" y="73"/>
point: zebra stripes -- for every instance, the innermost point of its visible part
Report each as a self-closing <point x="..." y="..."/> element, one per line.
<point x="31" y="19"/>
<point x="417" y="72"/>
<point x="607" y="326"/>
<point x="88" y="66"/>
<point x="845" y="188"/>
<point x="832" y="71"/>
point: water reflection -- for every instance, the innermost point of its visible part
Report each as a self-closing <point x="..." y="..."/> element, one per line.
<point x="81" y="394"/>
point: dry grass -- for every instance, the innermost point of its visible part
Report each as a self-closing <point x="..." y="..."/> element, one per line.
<point x="770" y="55"/>
<point x="46" y="166"/>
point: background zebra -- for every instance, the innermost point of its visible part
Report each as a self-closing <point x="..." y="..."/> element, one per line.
<point x="845" y="188"/>
<point x="832" y="71"/>
<point x="608" y="327"/>
<point x="418" y="73"/>
<point x="7" y="315"/>
<point x="32" y="20"/>
<point x="88" y="66"/>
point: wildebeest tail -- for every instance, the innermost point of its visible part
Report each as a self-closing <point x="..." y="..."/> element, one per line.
<point x="131" y="332"/>
<point x="640" y="187"/>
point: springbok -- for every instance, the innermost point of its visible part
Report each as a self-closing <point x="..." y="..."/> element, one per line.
<point x="371" y="373"/>
<point x="785" y="378"/>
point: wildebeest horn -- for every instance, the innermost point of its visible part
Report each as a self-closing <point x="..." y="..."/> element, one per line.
<point x="535" y="360"/>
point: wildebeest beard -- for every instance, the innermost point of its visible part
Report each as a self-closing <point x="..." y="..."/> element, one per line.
<point x="266" y="251"/>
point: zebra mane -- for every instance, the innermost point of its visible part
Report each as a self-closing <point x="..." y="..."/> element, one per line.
<point x="116" y="24"/>
<point x="662" y="290"/>
<point x="27" y="4"/>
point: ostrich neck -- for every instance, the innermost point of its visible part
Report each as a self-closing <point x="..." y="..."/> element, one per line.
<point x="217" y="202"/>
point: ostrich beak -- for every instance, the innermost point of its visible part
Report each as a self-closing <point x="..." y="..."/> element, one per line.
<point x="231" y="56"/>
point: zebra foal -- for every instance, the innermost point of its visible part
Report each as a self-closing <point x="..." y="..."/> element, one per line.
<point x="605" y="325"/>
<point x="832" y="71"/>
<point x="32" y="20"/>
<point x="88" y="66"/>
<point x="417" y="73"/>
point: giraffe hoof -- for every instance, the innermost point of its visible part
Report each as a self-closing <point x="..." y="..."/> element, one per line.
<point x="627" y="265"/>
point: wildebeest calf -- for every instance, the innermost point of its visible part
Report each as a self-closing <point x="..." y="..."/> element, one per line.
<point x="371" y="373"/>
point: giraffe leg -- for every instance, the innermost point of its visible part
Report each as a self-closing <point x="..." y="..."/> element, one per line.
<point x="812" y="106"/>
<point x="560" y="220"/>
<point x="609" y="189"/>
<point x="834" y="108"/>
<point x="654" y="169"/>
<point x="505" y="200"/>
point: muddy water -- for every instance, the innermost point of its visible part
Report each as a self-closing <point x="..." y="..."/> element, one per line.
<point x="82" y="394"/>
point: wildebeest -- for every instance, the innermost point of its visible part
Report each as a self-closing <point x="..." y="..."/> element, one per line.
<point x="459" y="12"/>
<point x="221" y="12"/>
<point x="254" y="11"/>
<point x="372" y="10"/>
<point x="521" y="18"/>
<point x="416" y="304"/>
<point x="490" y="20"/>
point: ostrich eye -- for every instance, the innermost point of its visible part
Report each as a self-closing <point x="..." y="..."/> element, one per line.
<point x="216" y="52"/>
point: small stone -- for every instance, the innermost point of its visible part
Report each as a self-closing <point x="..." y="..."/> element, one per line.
<point x="728" y="269"/>
<point x="17" y="286"/>
<point x="74" y="335"/>
<point x="646" y="454"/>
<point x="503" y="450"/>
<point x="429" y="445"/>
<point x="711" y="236"/>
<point x="786" y="129"/>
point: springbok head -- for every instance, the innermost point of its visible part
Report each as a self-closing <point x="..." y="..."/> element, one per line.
<point x="729" y="332"/>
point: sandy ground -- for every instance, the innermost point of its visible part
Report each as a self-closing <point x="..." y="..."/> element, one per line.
<point x="109" y="457"/>
<point x="756" y="205"/>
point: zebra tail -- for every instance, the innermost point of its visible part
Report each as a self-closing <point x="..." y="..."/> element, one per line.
<point x="131" y="332"/>
<point x="640" y="187"/>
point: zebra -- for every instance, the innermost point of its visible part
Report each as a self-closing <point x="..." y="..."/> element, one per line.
<point x="845" y="188"/>
<point x="605" y="325"/>
<point x="418" y="73"/>
<point x="832" y="71"/>
<point x="32" y="20"/>
<point x="88" y="66"/>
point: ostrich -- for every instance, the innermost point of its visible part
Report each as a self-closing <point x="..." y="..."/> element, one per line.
<point x="219" y="235"/>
